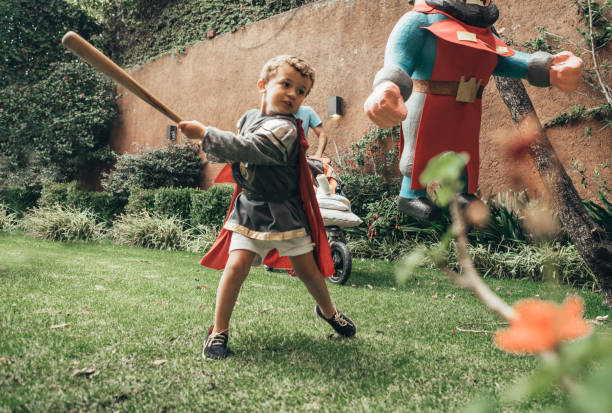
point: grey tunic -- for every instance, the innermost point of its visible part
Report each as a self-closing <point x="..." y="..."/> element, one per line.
<point x="265" y="163"/>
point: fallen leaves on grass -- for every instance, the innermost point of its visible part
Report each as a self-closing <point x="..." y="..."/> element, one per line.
<point x="56" y="326"/>
<point x="599" y="320"/>
<point x="4" y="360"/>
<point x="87" y="372"/>
<point x="202" y="308"/>
<point x="157" y="363"/>
<point x="99" y="288"/>
<point x="201" y="287"/>
<point x="265" y="309"/>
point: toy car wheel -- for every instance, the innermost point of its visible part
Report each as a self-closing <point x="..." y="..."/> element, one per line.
<point x="342" y="262"/>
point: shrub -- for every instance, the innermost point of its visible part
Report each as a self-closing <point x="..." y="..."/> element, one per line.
<point x="173" y="166"/>
<point x="8" y="219"/>
<point x="57" y="127"/>
<point x="365" y="189"/>
<point x="506" y="226"/>
<point x="201" y="238"/>
<point x="545" y="262"/>
<point x="19" y="199"/>
<point x="54" y="193"/>
<point x="386" y="226"/>
<point x="210" y="207"/>
<point x="193" y="206"/>
<point x="103" y="205"/>
<point x="149" y="231"/>
<point x="59" y="223"/>
<point x="601" y="214"/>
<point x="376" y="153"/>
<point x="379" y="249"/>
<point x="140" y="200"/>
<point x="173" y="202"/>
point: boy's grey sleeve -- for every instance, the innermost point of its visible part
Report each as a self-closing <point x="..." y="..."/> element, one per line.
<point x="270" y="144"/>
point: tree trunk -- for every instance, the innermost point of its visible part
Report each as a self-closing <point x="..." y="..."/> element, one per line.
<point x="590" y="240"/>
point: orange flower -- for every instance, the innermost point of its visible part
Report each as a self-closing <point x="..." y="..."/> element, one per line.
<point x="574" y="325"/>
<point x="539" y="326"/>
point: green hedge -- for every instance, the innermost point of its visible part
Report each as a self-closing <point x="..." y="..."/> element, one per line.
<point x="176" y="166"/>
<point x="19" y="199"/>
<point x="140" y="200"/>
<point x="103" y="205"/>
<point x="174" y="202"/>
<point x="210" y="207"/>
<point x="191" y="205"/>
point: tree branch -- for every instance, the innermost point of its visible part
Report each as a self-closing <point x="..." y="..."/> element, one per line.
<point x="604" y="87"/>
<point x="590" y="240"/>
<point x="470" y="280"/>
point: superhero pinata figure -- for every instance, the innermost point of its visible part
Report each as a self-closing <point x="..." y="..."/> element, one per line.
<point x="438" y="60"/>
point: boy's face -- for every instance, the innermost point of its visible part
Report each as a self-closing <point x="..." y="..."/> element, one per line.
<point x="284" y="92"/>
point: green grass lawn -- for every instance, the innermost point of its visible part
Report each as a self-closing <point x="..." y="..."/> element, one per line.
<point x="128" y="307"/>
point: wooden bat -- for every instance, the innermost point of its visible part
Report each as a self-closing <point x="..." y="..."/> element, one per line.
<point x="97" y="59"/>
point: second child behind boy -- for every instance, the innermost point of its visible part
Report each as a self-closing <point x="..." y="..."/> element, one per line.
<point x="274" y="205"/>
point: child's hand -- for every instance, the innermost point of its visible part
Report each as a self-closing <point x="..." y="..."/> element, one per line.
<point x="192" y="129"/>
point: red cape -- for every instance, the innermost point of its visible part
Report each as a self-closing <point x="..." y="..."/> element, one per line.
<point x="217" y="256"/>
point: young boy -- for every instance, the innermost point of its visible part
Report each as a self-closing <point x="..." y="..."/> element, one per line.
<point x="274" y="205"/>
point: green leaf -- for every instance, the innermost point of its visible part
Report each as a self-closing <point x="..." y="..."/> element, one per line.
<point x="445" y="168"/>
<point x="595" y="395"/>
<point x="408" y="266"/>
<point x="444" y="195"/>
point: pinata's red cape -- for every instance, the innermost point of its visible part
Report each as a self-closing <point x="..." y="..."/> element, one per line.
<point x="217" y="256"/>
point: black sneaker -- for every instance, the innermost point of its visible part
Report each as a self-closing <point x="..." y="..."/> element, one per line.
<point x="465" y="199"/>
<point x="341" y="323"/>
<point x="215" y="345"/>
<point x="422" y="208"/>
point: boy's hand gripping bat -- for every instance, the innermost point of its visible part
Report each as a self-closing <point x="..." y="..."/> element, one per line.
<point x="97" y="59"/>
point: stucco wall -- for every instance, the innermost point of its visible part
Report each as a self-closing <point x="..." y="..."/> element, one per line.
<point x="215" y="81"/>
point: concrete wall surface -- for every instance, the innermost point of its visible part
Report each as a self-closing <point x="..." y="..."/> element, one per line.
<point x="214" y="81"/>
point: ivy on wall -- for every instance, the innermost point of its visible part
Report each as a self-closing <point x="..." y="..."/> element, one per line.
<point x="56" y="112"/>
<point x="30" y="37"/>
<point x="55" y="128"/>
<point x="138" y="30"/>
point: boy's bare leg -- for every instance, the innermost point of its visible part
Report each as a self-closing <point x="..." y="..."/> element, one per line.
<point x="307" y="271"/>
<point x="234" y="274"/>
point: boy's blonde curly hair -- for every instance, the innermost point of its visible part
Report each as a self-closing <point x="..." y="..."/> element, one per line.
<point x="272" y="65"/>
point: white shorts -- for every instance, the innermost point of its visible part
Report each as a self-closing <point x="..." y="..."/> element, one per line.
<point x="286" y="248"/>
